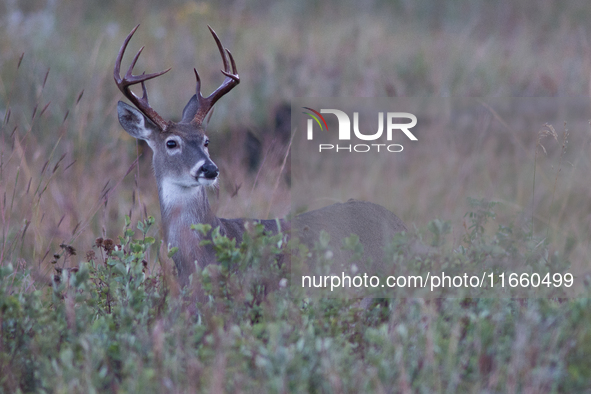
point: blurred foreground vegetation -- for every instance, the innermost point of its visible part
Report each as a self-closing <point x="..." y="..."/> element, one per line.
<point x="109" y="325"/>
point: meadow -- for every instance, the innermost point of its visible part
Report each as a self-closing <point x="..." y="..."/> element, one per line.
<point x="78" y="315"/>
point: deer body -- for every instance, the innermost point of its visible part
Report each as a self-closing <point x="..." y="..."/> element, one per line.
<point x="179" y="215"/>
<point x="184" y="169"/>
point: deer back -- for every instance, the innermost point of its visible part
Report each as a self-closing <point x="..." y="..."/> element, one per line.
<point x="373" y="224"/>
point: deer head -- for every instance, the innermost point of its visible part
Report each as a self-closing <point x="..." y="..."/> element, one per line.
<point x="181" y="158"/>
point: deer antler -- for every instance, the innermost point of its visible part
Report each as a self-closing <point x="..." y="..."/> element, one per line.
<point x="232" y="79"/>
<point x="129" y="79"/>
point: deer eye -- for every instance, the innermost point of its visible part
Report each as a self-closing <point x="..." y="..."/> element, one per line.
<point x="171" y="144"/>
<point x="206" y="143"/>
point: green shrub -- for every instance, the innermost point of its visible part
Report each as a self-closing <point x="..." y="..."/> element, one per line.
<point x="114" y="324"/>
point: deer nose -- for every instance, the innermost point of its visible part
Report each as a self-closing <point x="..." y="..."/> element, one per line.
<point x="209" y="170"/>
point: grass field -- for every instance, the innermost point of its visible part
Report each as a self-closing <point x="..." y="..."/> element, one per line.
<point x="69" y="174"/>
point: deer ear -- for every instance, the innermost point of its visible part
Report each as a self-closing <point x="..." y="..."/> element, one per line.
<point x="190" y="109"/>
<point x="134" y="122"/>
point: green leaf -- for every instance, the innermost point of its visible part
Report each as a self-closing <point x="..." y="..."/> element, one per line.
<point x="172" y="251"/>
<point x="202" y="228"/>
<point x="137" y="248"/>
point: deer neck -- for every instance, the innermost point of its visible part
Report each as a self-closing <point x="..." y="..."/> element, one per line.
<point x="181" y="207"/>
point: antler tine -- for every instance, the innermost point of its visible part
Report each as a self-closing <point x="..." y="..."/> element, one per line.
<point x="234" y="74"/>
<point x="198" y="83"/>
<point x="129" y="79"/>
<point x="144" y="90"/>
<point x="116" y="72"/>
<point x="232" y="79"/>
<point x="220" y="47"/>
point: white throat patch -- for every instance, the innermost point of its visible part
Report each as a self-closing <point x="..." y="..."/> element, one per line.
<point x="172" y="193"/>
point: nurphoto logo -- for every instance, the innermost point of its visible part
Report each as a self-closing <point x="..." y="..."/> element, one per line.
<point x="393" y="126"/>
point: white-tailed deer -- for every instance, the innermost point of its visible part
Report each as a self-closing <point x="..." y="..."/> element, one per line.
<point x="183" y="170"/>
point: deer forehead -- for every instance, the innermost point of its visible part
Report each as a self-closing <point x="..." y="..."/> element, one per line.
<point x="186" y="131"/>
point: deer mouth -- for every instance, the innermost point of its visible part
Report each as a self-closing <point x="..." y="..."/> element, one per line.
<point x="206" y="181"/>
